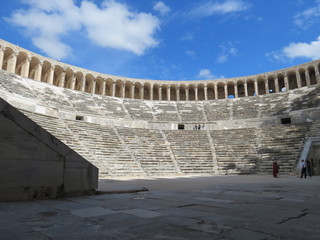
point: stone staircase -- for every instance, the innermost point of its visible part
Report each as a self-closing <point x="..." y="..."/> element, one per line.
<point x="150" y="149"/>
<point x="283" y="144"/>
<point x="314" y="133"/>
<point x="236" y="150"/>
<point x="192" y="151"/>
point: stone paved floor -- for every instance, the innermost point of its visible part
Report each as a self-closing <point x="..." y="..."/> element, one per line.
<point x="219" y="207"/>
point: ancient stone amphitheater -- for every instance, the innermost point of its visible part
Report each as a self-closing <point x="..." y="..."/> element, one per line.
<point x="134" y="127"/>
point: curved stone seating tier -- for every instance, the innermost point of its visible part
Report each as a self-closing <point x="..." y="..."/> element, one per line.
<point x="236" y="150"/>
<point x="283" y="144"/>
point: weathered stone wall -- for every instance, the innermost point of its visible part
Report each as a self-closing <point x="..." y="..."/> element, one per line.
<point x="34" y="164"/>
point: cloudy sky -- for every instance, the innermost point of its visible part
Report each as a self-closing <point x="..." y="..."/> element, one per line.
<point x="168" y="39"/>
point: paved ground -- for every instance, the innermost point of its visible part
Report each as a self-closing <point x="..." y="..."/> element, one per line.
<point x="219" y="207"/>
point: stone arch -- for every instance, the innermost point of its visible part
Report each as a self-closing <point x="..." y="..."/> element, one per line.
<point x="128" y="89"/>
<point x="173" y="92"/>
<point x="45" y="73"/>
<point x="281" y="82"/>
<point x="155" y="92"/>
<point x="292" y="80"/>
<point x="201" y="94"/>
<point x="89" y="82"/>
<point x="221" y="91"/>
<point x="271" y="84"/>
<point x="137" y="90"/>
<point x="302" y="73"/>
<point x="34" y="65"/>
<point x="8" y="54"/>
<point x="58" y="70"/>
<point x="192" y="92"/>
<point x="99" y="85"/>
<point x="250" y="87"/>
<point x="109" y="87"/>
<point x="164" y="92"/>
<point x="240" y="87"/>
<point x="147" y="91"/>
<point x="21" y="65"/>
<point x="183" y="92"/>
<point x="119" y="86"/>
<point x="79" y="81"/>
<point x="261" y="85"/>
<point x="230" y="90"/>
<point x="210" y="91"/>
<point x="312" y="75"/>
<point x="69" y="78"/>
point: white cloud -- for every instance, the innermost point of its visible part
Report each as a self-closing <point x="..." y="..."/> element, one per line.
<point x="308" y="17"/>
<point x="189" y="36"/>
<point x="206" y="74"/>
<point x="162" y="8"/>
<point x="191" y="54"/>
<point x="298" y="50"/>
<point x="227" y="50"/>
<point x="214" y="7"/>
<point x="111" y="25"/>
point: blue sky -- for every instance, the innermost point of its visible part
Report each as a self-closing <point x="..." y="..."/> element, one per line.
<point x="169" y="39"/>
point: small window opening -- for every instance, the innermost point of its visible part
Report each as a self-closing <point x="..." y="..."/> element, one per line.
<point x="180" y="126"/>
<point x="286" y="120"/>
<point x="79" y="118"/>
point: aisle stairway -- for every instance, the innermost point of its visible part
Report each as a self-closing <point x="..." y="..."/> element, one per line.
<point x="151" y="149"/>
<point x="192" y="151"/>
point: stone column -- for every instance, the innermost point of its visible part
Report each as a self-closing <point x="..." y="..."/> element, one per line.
<point x="62" y="79"/>
<point x="93" y="89"/>
<point x="160" y="92"/>
<point x="286" y="82"/>
<point x="226" y="91"/>
<point x="12" y="61"/>
<point x="83" y="84"/>
<point x="132" y="91"/>
<point x="216" y="92"/>
<point x="123" y="89"/>
<point x="151" y="92"/>
<point x="245" y="85"/>
<point x="236" y="95"/>
<point x="316" y="69"/>
<point x="276" y="84"/>
<point x="104" y="83"/>
<point x="196" y="93"/>
<point x="266" y="85"/>
<point x="256" y="90"/>
<point x="25" y="68"/>
<point x="298" y="79"/>
<point x="38" y="71"/>
<point x="187" y="94"/>
<point x="205" y="93"/>
<point x="73" y="81"/>
<point x="142" y="92"/>
<point x="307" y="77"/>
<point x="113" y="89"/>
<point x="50" y="75"/>
<point x="1" y="57"/>
<point x="168" y="93"/>
<point x="178" y="92"/>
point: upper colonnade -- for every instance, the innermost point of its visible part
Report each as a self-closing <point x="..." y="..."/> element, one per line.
<point x="28" y="64"/>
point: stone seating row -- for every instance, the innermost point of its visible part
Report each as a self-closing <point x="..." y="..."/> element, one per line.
<point x="67" y="100"/>
<point x="120" y="151"/>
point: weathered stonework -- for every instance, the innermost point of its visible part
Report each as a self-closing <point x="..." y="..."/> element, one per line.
<point x="28" y="64"/>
